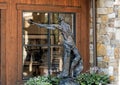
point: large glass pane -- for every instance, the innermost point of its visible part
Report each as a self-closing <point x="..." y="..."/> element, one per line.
<point x="31" y="29"/>
<point x="35" y="39"/>
<point x="56" y="59"/>
<point x="35" y="45"/>
<point x="56" y="37"/>
<point x="42" y="47"/>
<point x="35" y="61"/>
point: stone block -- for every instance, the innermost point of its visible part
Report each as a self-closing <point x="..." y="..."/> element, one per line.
<point x="102" y="64"/>
<point x="112" y="36"/>
<point x="102" y="11"/>
<point x="109" y="3"/>
<point x="114" y="42"/>
<point x="118" y="12"/>
<point x="117" y="53"/>
<point x="106" y="59"/>
<point x="98" y="20"/>
<point x="111" y="19"/>
<point x="117" y="22"/>
<point x="110" y="29"/>
<point x="110" y="70"/>
<point x="110" y="51"/>
<point x="91" y="31"/>
<point x="100" y="3"/>
<point x="110" y="9"/>
<point x="110" y="24"/>
<point x="114" y="64"/>
<point x="117" y="34"/>
<point x="98" y="27"/>
<point x="104" y="18"/>
<point x="99" y="58"/>
<point x="112" y="15"/>
<point x="91" y="39"/>
<point x="101" y="49"/>
<point x="103" y="26"/>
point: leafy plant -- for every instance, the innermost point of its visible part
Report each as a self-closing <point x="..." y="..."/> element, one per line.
<point x="54" y="80"/>
<point x="43" y="80"/>
<point x="92" y="79"/>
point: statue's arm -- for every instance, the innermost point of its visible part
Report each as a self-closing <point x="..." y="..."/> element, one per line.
<point x="47" y="26"/>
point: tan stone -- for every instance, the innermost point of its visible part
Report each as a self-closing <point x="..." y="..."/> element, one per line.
<point x="114" y="64"/>
<point x="104" y="18"/>
<point x="106" y="59"/>
<point x="108" y="22"/>
<point x="100" y="3"/>
<point x="118" y="13"/>
<point x="102" y="30"/>
<point x="110" y="10"/>
<point x="101" y="49"/>
<point x="103" y="26"/>
<point x="102" y="64"/>
<point x="117" y="53"/>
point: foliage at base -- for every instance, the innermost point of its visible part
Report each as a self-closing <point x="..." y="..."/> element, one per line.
<point x="93" y="79"/>
<point x="43" y="80"/>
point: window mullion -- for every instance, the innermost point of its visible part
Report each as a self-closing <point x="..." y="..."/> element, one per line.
<point x="49" y="45"/>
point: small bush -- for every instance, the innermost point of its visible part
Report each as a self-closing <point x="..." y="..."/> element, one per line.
<point x="92" y="79"/>
<point x="43" y="80"/>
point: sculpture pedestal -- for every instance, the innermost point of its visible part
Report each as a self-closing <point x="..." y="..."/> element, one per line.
<point x="68" y="81"/>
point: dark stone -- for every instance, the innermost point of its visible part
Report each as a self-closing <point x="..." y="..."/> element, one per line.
<point x="68" y="81"/>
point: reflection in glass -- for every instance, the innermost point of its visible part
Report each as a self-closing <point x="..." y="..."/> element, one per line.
<point x="35" y="61"/>
<point x="56" y="59"/>
<point x="43" y="48"/>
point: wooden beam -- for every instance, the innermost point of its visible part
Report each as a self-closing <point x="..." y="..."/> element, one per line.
<point x="47" y="8"/>
<point x="3" y="5"/>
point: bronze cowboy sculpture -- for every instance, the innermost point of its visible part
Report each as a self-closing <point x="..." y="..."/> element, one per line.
<point x="72" y="61"/>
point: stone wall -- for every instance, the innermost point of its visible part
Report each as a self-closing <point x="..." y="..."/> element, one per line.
<point x="108" y="38"/>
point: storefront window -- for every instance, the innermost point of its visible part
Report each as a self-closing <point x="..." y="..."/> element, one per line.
<point x="43" y="48"/>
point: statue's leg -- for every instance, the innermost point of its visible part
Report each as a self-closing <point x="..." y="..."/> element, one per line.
<point x="78" y="69"/>
<point x="77" y="63"/>
<point x="66" y="62"/>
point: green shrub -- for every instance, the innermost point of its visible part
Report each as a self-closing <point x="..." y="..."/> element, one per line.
<point x="92" y="79"/>
<point x="43" y="80"/>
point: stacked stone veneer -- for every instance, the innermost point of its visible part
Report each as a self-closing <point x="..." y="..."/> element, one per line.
<point x="108" y="38"/>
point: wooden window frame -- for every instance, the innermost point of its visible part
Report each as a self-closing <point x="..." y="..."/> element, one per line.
<point x="3" y="7"/>
<point x="25" y="7"/>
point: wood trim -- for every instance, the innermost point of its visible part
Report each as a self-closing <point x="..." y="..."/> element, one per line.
<point x="3" y="6"/>
<point x="19" y="43"/>
<point x="3" y="47"/>
<point x="85" y="33"/>
<point x="22" y="8"/>
<point x="78" y="31"/>
<point x="47" y="8"/>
